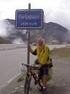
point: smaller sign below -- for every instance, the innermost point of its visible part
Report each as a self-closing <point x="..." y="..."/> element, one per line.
<point x="29" y="19"/>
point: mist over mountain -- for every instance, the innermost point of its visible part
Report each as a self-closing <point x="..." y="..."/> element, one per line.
<point x="52" y="32"/>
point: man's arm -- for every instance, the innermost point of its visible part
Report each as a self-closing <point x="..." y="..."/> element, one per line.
<point x="34" y="52"/>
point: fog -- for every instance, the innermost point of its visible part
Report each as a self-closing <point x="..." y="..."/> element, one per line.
<point x="6" y="28"/>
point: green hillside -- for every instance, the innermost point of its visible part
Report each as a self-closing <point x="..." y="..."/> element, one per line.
<point x="3" y="41"/>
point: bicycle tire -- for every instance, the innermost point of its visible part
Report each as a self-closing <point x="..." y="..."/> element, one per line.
<point x="27" y="84"/>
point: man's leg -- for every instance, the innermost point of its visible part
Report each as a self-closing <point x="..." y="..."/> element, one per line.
<point x="45" y="79"/>
<point x="45" y="76"/>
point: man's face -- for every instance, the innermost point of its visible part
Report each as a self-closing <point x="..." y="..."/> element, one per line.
<point x="40" y="43"/>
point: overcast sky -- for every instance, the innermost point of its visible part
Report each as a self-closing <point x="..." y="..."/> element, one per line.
<point x="54" y="10"/>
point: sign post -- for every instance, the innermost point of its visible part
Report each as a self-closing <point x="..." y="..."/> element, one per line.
<point x="29" y="19"/>
<point x="28" y="32"/>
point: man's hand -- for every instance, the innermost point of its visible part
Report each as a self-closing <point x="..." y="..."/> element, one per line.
<point x="30" y="49"/>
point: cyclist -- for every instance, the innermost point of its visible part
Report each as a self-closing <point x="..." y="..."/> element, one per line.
<point x="42" y="52"/>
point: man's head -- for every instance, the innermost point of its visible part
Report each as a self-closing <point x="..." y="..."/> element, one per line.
<point x="40" y="41"/>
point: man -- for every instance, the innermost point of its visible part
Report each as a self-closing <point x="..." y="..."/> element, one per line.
<point x="42" y="52"/>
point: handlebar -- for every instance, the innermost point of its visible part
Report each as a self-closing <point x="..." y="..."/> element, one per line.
<point x="27" y="65"/>
<point x="35" y="66"/>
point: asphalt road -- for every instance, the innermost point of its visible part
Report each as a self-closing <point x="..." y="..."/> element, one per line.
<point x="11" y="57"/>
<point x="10" y="60"/>
<point x="60" y="83"/>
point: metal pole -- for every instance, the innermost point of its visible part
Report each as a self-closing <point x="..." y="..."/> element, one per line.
<point x="28" y="40"/>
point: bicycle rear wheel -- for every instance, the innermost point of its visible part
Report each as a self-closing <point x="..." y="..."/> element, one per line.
<point x="27" y="84"/>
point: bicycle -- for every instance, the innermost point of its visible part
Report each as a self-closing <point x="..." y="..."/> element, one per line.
<point x="30" y="73"/>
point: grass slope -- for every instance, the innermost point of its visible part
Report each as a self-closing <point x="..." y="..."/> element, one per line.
<point x="61" y="52"/>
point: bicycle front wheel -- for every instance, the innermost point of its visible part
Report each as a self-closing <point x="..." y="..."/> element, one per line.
<point x="27" y="84"/>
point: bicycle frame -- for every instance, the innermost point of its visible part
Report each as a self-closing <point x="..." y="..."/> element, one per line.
<point x="29" y="75"/>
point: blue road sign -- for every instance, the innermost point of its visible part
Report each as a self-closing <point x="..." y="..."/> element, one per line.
<point x="29" y="19"/>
